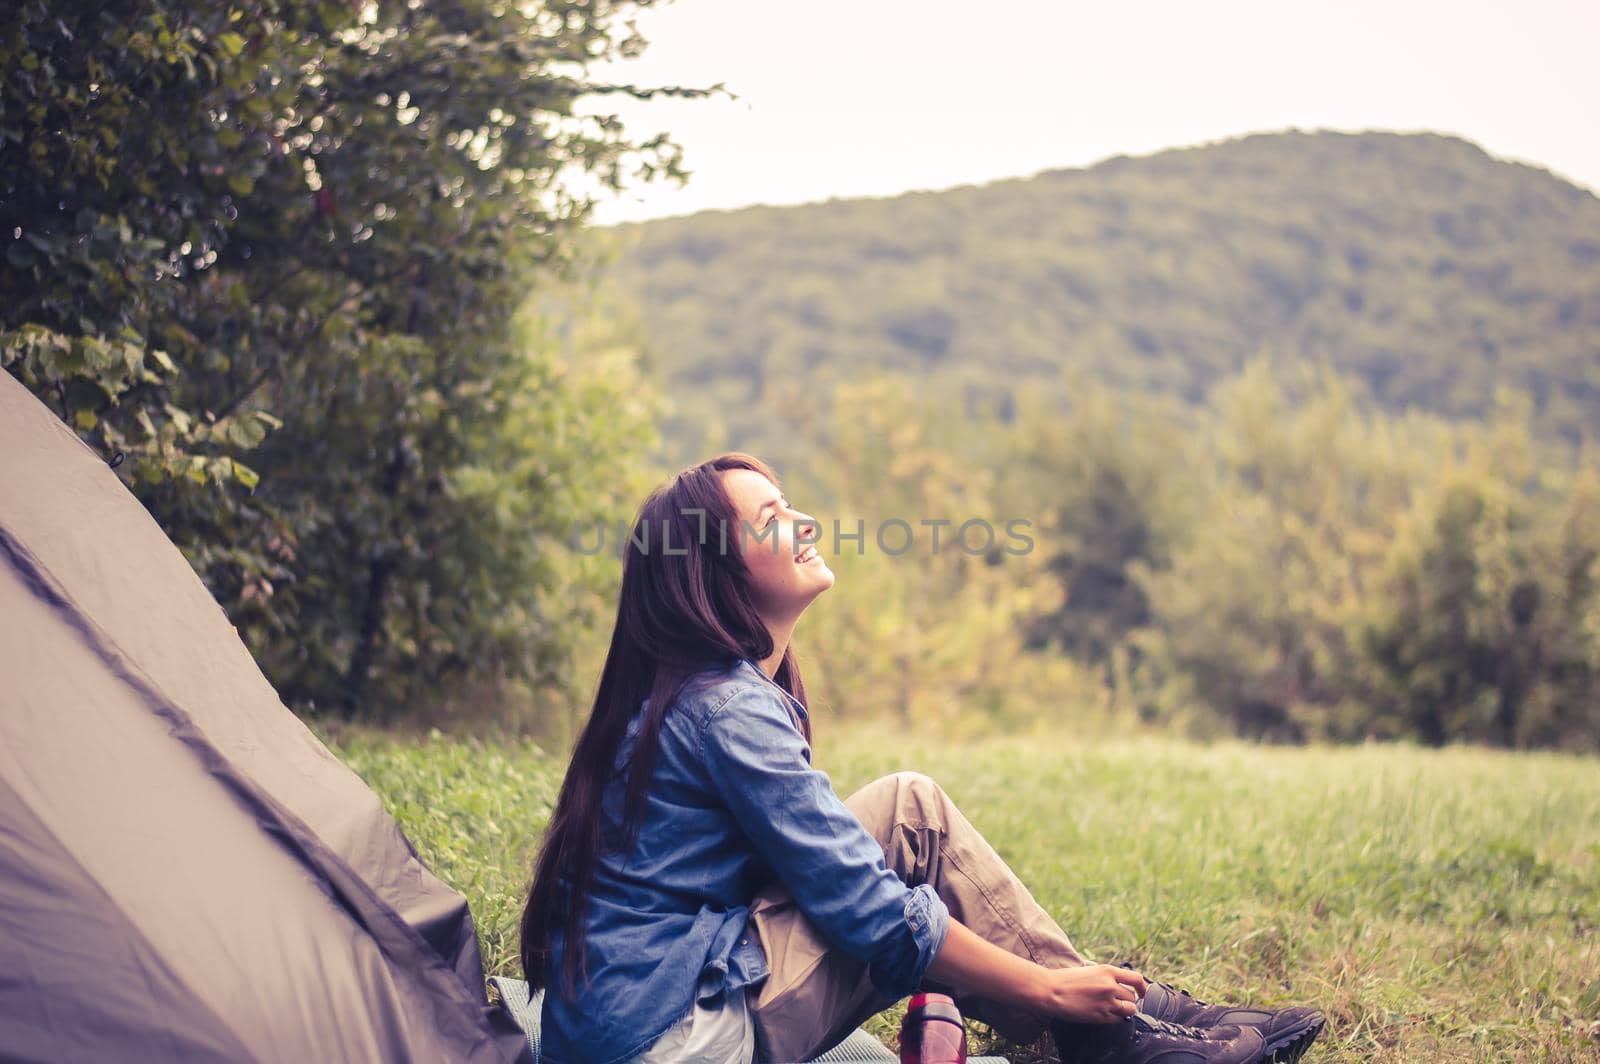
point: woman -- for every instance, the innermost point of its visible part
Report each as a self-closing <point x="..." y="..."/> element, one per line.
<point x="703" y="895"/>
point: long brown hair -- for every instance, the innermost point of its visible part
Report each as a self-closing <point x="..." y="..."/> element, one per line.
<point x="680" y="611"/>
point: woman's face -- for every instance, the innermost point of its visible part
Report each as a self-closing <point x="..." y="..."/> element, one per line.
<point x="779" y="546"/>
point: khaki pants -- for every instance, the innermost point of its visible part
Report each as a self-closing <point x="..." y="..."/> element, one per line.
<point x="817" y="994"/>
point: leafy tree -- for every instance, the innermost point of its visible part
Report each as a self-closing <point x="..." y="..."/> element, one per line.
<point x="1560" y="678"/>
<point x="925" y="619"/>
<point x="1482" y="628"/>
<point x="1099" y="472"/>
<point x="1291" y="498"/>
<point x="1349" y="574"/>
<point x="1435" y="646"/>
<point x="223" y="219"/>
<point x="115" y="190"/>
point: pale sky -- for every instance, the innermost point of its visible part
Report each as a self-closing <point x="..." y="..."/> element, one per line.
<point x="875" y="97"/>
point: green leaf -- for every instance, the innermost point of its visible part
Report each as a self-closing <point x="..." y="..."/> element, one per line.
<point x="97" y="354"/>
<point x="231" y="43"/>
<point x="85" y="420"/>
<point x="245" y="433"/>
<point x="241" y="184"/>
<point x="163" y="360"/>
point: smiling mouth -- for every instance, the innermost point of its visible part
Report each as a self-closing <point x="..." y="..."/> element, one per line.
<point x="808" y="555"/>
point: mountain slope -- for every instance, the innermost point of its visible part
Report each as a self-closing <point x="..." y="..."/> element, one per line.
<point x="1417" y="262"/>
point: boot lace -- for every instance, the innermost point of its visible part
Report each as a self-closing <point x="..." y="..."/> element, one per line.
<point x="1177" y="1030"/>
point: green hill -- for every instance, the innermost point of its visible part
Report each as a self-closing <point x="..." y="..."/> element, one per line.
<point x="1418" y="263"/>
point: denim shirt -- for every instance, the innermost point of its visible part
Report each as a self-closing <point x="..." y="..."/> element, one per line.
<point x="732" y="805"/>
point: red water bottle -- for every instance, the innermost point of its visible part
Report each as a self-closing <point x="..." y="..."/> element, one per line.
<point x="932" y="1032"/>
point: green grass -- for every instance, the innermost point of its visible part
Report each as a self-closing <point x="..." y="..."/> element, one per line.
<point x="1437" y="905"/>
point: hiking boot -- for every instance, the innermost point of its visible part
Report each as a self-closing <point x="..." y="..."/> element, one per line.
<point x="1142" y="1039"/>
<point x="1288" y="1032"/>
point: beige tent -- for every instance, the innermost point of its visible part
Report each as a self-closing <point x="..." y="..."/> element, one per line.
<point x="185" y="871"/>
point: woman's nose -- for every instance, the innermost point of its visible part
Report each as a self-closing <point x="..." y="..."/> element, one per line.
<point x="805" y="526"/>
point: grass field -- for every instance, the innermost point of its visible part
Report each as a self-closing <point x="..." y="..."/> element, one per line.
<point x="1437" y="905"/>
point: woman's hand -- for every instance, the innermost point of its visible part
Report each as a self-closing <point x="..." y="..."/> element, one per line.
<point x="1094" y="993"/>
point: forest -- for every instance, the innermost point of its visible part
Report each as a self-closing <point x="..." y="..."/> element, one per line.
<point x="1300" y="421"/>
<point x="1300" y="424"/>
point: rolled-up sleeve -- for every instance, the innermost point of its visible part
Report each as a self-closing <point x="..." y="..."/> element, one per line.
<point x="759" y="764"/>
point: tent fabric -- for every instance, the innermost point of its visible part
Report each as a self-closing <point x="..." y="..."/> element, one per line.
<point x="186" y="872"/>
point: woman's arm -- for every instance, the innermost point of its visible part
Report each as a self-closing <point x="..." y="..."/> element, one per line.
<point x="759" y="765"/>
<point x="1094" y="993"/>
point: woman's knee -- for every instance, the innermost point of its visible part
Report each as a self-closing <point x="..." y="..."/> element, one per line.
<point x="886" y="800"/>
<point x="900" y="783"/>
<point x="918" y="783"/>
<point x="918" y="798"/>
